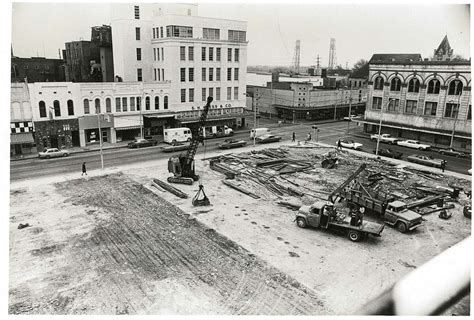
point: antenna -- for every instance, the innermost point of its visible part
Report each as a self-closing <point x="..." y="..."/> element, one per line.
<point x="332" y="54"/>
<point x="318" y="66"/>
<point x="296" y="58"/>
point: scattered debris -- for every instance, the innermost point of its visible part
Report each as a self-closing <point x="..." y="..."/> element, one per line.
<point x="170" y="188"/>
<point x="236" y="187"/>
<point x="23" y="225"/>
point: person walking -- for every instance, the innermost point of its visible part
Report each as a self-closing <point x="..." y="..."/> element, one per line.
<point x="84" y="170"/>
<point x="293" y="137"/>
<point x="339" y="145"/>
<point x="443" y="165"/>
<point x="309" y="137"/>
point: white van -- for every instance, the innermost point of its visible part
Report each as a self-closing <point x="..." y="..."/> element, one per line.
<point x="259" y="132"/>
<point x="217" y="131"/>
<point x="175" y="135"/>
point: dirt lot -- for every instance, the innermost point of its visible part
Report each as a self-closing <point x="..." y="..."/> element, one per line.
<point x="116" y="245"/>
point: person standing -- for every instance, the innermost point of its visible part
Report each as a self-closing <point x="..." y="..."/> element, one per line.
<point x="293" y="138"/>
<point x="84" y="170"/>
<point x="443" y="165"/>
<point x="339" y="145"/>
<point x="309" y="136"/>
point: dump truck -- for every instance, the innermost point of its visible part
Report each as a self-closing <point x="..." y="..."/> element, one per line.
<point x="325" y="216"/>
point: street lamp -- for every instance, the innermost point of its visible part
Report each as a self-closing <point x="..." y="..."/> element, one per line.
<point x="315" y="132"/>
<point x="97" y="111"/>
<point x="455" y="120"/>
<point x="380" y="126"/>
<point x="350" y="106"/>
<point x="254" y="119"/>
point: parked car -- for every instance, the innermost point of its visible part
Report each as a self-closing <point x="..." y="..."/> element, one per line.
<point x="414" y="144"/>
<point x="351" y="117"/>
<point x="426" y="160"/>
<point x="232" y="143"/>
<point x="350" y="144"/>
<point x="389" y="153"/>
<point x="141" y="143"/>
<point x="387" y="138"/>
<point x="267" y="138"/>
<point x="452" y="152"/>
<point x="52" y="153"/>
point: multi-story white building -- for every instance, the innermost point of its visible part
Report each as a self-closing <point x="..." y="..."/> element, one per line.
<point x="200" y="57"/>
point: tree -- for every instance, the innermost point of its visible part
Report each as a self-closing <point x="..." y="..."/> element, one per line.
<point x="360" y="69"/>
<point x="458" y="57"/>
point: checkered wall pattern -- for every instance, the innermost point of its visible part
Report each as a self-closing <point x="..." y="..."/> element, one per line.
<point x="20" y="127"/>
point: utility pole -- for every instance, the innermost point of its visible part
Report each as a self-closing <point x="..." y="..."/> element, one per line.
<point x="350" y="106"/>
<point x="141" y="105"/>
<point x="455" y="120"/>
<point x="380" y="127"/>
<point x="100" y="138"/>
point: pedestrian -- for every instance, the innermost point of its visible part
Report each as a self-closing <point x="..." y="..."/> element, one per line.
<point x="293" y="139"/>
<point x="309" y="137"/>
<point x="443" y="165"/>
<point x="84" y="170"/>
<point x="339" y="145"/>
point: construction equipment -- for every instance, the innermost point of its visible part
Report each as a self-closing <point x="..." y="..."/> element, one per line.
<point x="345" y="183"/>
<point x="182" y="166"/>
<point x="204" y="201"/>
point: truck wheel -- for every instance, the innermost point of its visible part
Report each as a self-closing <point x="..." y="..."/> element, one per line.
<point x="300" y="222"/>
<point x="174" y="142"/>
<point x="354" y="235"/>
<point x="402" y="227"/>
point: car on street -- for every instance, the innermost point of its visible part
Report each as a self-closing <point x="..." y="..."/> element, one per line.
<point x="452" y="152"/>
<point x="350" y="144"/>
<point x="426" y="160"/>
<point x="267" y="138"/>
<point x="52" y="153"/>
<point x="414" y="144"/>
<point x="232" y="143"/>
<point x="389" y="153"/>
<point x="387" y="138"/>
<point x="351" y="117"/>
<point x="141" y="143"/>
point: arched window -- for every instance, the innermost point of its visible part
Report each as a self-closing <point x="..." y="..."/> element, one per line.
<point x="147" y="103"/>
<point x="97" y="105"/>
<point x="455" y="87"/>
<point x="86" y="106"/>
<point x="165" y="102"/>
<point x="414" y="85"/>
<point x="139" y="100"/>
<point x="70" y="108"/>
<point x="395" y="84"/>
<point x="157" y="103"/>
<point x="57" y="108"/>
<point x="42" y="109"/>
<point x="433" y="86"/>
<point x="378" y="83"/>
<point x="108" y="105"/>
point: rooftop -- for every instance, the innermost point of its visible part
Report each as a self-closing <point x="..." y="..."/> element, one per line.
<point x="410" y="58"/>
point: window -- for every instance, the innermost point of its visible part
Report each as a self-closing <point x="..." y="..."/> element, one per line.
<point x="218" y="54"/>
<point x="139" y="102"/>
<point x="433" y="86"/>
<point x="203" y="54"/>
<point x="157" y="103"/>
<point x="236" y="36"/>
<point x="395" y="84"/>
<point x="137" y="33"/>
<point x="212" y="34"/>
<point x="229" y="74"/>
<point x="414" y="85"/>
<point x="154" y="72"/>
<point x="376" y="103"/>
<point x="139" y="74"/>
<point x="211" y="92"/>
<point x="411" y="106"/>
<point x="158" y="53"/>
<point x="218" y="93"/>
<point x="154" y="34"/>
<point x="161" y="32"/>
<point x="163" y="74"/>
<point x="191" y="74"/>
<point x="154" y="54"/>
<point x="229" y="55"/>
<point x="191" y="53"/>
<point x="191" y="95"/>
<point x="218" y="74"/>
<point x="236" y="93"/>
<point x="229" y="93"/>
<point x="378" y="83"/>
<point x="236" y="74"/>
<point x="139" y="55"/>
<point x="236" y="55"/>
<point x="118" y="108"/>
<point x="158" y="71"/>
<point x="147" y="103"/>
<point x="183" y="74"/>
<point x="162" y="54"/>
<point x="124" y="104"/>
<point x="57" y="108"/>
<point x="137" y="12"/>
<point x="42" y="108"/>
<point x="393" y="105"/>
<point x="451" y="110"/>
<point x="132" y="103"/>
<point x="179" y="31"/>
<point x="183" y="95"/>
<point x="211" y="54"/>
<point x="203" y="94"/>
<point x="203" y="74"/>
<point x="70" y="108"/>
<point x="182" y="53"/>
<point x="211" y="74"/>
<point x="165" y="102"/>
<point x="430" y="108"/>
<point x="455" y="87"/>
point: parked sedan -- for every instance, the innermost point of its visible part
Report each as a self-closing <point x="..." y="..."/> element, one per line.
<point x="267" y="138"/>
<point x="52" y="153"/>
<point x="426" y="160"/>
<point x="452" y="152"/>
<point x="389" y="153"/>
<point x="232" y="143"/>
<point x="350" y="144"/>
<point x="141" y="143"/>
<point x="414" y="144"/>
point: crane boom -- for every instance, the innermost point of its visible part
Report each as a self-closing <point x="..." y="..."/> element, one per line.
<point x="347" y="181"/>
<point x="198" y="135"/>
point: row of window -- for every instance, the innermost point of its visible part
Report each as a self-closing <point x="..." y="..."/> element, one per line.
<point x="157" y="56"/>
<point x="56" y="108"/>
<point x="207" y="33"/>
<point x="454" y="88"/>
<point x="209" y="92"/>
<point x="451" y="110"/>
<point x="208" y="76"/>
<point x="157" y="32"/>
<point x="122" y="104"/>
<point x="159" y="74"/>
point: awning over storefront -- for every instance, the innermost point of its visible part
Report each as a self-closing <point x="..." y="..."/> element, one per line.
<point x="214" y="121"/>
<point x="160" y="116"/>
<point x="21" y="138"/>
<point x="127" y="128"/>
<point x="127" y="122"/>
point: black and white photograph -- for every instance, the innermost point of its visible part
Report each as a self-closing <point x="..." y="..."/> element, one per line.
<point x="237" y="158"/>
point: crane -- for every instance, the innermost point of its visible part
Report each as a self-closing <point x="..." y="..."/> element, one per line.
<point x="182" y="166"/>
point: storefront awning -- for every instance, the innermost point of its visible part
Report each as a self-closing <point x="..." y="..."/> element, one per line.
<point x="20" y="138"/>
<point x="159" y="116"/>
<point x="127" y="128"/>
<point x="209" y="120"/>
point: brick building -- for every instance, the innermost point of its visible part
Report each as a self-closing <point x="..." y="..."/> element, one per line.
<point x="37" y="69"/>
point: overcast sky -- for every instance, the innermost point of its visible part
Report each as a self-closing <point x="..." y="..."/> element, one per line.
<point x="360" y="30"/>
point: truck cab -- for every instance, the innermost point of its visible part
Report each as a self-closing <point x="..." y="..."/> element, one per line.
<point x="397" y="214"/>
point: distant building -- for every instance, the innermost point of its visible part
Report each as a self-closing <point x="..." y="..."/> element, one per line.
<point x="83" y="62"/>
<point x="444" y="51"/>
<point x="37" y="69"/>
<point x="102" y="37"/>
<point x="21" y="121"/>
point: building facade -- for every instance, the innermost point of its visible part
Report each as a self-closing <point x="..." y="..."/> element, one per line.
<point x="37" y="69"/>
<point x="21" y="121"/>
<point x="101" y="36"/>
<point x="420" y="99"/>
<point x="82" y="61"/>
